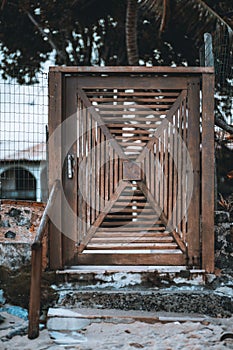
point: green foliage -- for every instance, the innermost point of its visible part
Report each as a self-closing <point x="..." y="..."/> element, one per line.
<point x="92" y="32"/>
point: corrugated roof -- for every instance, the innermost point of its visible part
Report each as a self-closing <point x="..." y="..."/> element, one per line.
<point x="36" y="152"/>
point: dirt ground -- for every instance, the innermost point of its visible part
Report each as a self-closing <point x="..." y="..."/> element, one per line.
<point x="135" y="335"/>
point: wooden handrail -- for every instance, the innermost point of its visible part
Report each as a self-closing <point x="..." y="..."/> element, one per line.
<point x="36" y="266"/>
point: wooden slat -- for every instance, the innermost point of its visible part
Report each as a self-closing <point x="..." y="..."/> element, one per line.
<point x="88" y="169"/>
<point x="102" y="171"/>
<point x="179" y="168"/>
<point x="121" y="239"/>
<point x="169" y="118"/>
<point x="93" y="174"/>
<point x="137" y="92"/>
<point x="165" y="173"/>
<point x="139" y="224"/>
<point x="98" y="171"/>
<point x="174" y="83"/>
<point x="135" y="106"/>
<point x="101" y="124"/>
<point x="131" y="229"/>
<point x="116" y="246"/>
<point x="170" y="176"/>
<point x="157" y="259"/>
<point x="80" y="173"/>
<point x="106" y="175"/>
<point x="132" y="69"/>
<point x="175" y="169"/>
<point x="184" y="176"/>
<point x="102" y="215"/>
<point x="130" y="126"/>
<point x="208" y="173"/>
<point x="135" y="112"/>
<point x="155" y="234"/>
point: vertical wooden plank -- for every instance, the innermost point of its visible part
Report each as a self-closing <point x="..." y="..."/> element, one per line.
<point x="80" y="172"/>
<point x="165" y="175"/>
<point x="102" y="174"/>
<point x="84" y="170"/>
<point x="179" y="160"/>
<point x="116" y="170"/>
<point x="194" y="152"/>
<point x="175" y="173"/>
<point x="55" y="165"/>
<point x="35" y="293"/>
<point x="147" y="168"/>
<point x="88" y="171"/>
<point x="161" y="182"/>
<point x="106" y="166"/>
<point x="170" y="176"/>
<point x="157" y="169"/>
<point x="152" y="172"/>
<point x="208" y="172"/>
<point x="184" y="175"/>
<point x="93" y="175"/>
<point x="69" y="223"/>
<point x="111" y="172"/>
<point x="98" y="171"/>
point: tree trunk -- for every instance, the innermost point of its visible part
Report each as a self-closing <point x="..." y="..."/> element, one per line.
<point x="131" y="33"/>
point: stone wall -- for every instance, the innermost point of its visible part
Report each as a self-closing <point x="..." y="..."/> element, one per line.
<point x="19" y="222"/>
<point x="223" y="242"/>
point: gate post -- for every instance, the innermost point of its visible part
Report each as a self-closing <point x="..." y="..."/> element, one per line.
<point x="208" y="172"/>
<point x="55" y="166"/>
<point x="193" y="148"/>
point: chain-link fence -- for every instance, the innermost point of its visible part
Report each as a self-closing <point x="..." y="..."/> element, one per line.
<point x="23" y="119"/>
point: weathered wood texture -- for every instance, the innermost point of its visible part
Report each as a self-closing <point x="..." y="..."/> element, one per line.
<point x="55" y="164"/>
<point x="208" y="173"/>
<point x="138" y="146"/>
<point x="36" y="265"/>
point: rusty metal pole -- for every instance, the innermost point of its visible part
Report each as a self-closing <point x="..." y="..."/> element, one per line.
<point x="35" y="292"/>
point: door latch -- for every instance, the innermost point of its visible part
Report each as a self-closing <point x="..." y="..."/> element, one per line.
<point x="70" y="166"/>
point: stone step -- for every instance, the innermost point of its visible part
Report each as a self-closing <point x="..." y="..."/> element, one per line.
<point x="126" y="276"/>
<point x="60" y="319"/>
<point x="191" y="300"/>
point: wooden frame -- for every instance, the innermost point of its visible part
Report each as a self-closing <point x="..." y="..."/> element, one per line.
<point x="67" y="86"/>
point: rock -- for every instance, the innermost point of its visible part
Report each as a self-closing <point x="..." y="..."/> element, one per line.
<point x="13" y="212"/>
<point x="16" y="311"/>
<point x="5" y="223"/>
<point x="221" y="217"/>
<point x="68" y="338"/>
<point x="24" y="221"/>
<point x="10" y="234"/>
<point x="2" y="299"/>
<point x="66" y="323"/>
<point x="2" y="318"/>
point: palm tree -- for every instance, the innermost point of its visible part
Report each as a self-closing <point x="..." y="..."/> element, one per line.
<point x="196" y="17"/>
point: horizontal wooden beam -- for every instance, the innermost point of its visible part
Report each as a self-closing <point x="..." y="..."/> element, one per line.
<point x="158" y="259"/>
<point x="132" y="69"/>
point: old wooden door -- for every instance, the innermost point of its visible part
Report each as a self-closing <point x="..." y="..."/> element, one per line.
<point x="138" y="155"/>
<point x="136" y="172"/>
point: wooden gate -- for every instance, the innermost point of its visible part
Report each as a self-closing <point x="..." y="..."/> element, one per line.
<point x="130" y="162"/>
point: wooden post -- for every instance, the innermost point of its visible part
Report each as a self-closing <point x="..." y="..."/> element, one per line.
<point x="55" y="166"/>
<point x="69" y="132"/>
<point x="208" y="172"/>
<point x="194" y="152"/>
<point x="35" y="291"/>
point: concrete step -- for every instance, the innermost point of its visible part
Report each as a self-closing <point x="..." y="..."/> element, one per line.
<point x="60" y="319"/>
<point x="128" y="276"/>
